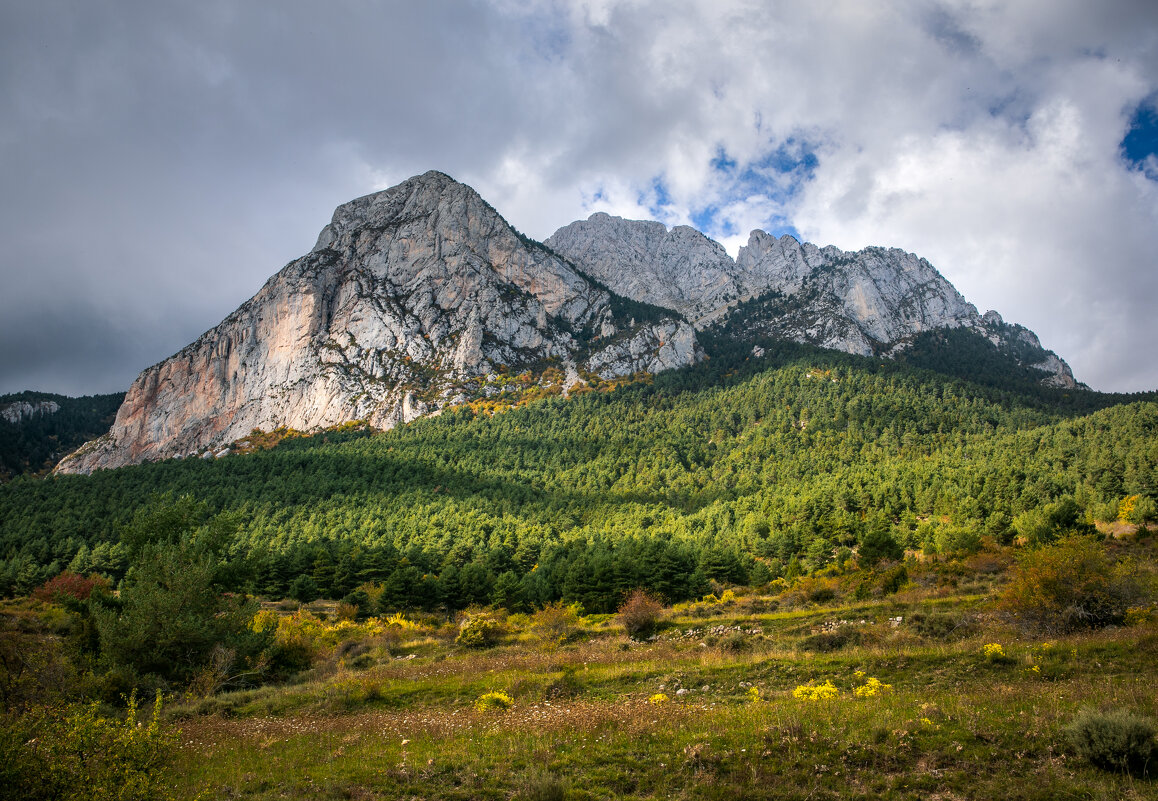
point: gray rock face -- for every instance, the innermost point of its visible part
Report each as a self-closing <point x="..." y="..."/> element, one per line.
<point x="408" y="295"/>
<point x="873" y="301"/>
<point x="855" y="302"/>
<point x="418" y="297"/>
<point x="680" y="269"/>
<point x="15" y="412"/>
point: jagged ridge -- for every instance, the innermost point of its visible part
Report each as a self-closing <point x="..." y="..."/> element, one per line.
<point x="871" y="302"/>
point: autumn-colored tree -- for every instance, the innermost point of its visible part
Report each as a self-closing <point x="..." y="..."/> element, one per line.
<point x="1069" y="586"/>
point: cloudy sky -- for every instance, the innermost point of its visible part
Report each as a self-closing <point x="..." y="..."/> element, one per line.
<point x="160" y="160"/>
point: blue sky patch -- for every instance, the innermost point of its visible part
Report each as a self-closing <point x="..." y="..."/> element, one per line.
<point x="1141" y="139"/>
<point x="778" y="176"/>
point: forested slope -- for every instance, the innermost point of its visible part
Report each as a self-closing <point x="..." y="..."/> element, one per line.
<point x="33" y="442"/>
<point x="737" y="470"/>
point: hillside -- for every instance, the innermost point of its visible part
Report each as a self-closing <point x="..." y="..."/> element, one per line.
<point x="741" y="467"/>
<point x="867" y="580"/>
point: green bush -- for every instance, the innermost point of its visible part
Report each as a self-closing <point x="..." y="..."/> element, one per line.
<point x="74" y="752"/>
<point x="479" y="630"/>
<point x="541" y="787"/>
<point x="1114" y="740"/>
<point x="940" y="625"/>
<point x="828" y="641"/>
<point x="556" y="622"/>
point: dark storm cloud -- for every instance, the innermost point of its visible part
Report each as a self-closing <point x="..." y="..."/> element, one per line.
<point x="160" y="160"/>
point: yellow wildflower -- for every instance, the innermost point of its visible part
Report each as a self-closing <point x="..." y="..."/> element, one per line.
<point x="818" y="692"/>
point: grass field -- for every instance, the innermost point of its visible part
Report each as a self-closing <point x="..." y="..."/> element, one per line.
<point x="708" y="707"/>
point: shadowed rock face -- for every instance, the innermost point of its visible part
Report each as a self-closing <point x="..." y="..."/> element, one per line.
<point x="408" y="293"/>
<point x="869" y="302"/>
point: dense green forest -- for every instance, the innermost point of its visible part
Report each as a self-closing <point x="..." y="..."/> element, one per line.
<point x="34" y="443"/>
<point x="738" y="470"/>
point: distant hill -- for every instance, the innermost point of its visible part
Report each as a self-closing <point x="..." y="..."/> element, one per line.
<point x="38" y="428"/>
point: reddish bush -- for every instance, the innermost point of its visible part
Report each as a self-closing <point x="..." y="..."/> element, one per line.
<point x="69" y="585"/>
<point x="640" y="613"/>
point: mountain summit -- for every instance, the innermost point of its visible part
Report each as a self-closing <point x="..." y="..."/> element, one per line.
<point x="410" y="299"/>
<point x="422" y="296"/>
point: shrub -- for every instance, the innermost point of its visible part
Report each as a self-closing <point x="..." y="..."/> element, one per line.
<point x="1069" y="586"/>
<point x="818" y="692"/>
<point x="893" y="579"/>
<point x="361" y="602"/>
<point x="640" y="613"/>
<point x="995" y="652"/>
<point x="69" y="586"/>
<point x="736" y="642"/>
<point x="74" y="752"/>
<point x="828" y="641"/>
<point x="556" y="622"/>
<point x="1114" y="740"/>
<point x="939" y="625"/>
<point x="542" y="787"/>
<point x="495" y="700"/>
<point x="479" y="630"/>
<point x="872" y="687"/>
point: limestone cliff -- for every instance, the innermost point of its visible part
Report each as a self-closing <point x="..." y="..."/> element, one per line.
<point x="409" y="298"/>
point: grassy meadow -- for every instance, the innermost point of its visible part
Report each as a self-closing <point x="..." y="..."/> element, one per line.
<point x="707" y="706"/>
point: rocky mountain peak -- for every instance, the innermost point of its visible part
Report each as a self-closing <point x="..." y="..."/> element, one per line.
<point x="873" y="301"/>
<point x="411" y="297"/>
<point x="414" y="298"/>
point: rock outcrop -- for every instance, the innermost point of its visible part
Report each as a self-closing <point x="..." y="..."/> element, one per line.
<point x="410" y="296"/>
<point x="870" y="302"/>
<point x="19" y="410"/>
<point x="680" y="269"/>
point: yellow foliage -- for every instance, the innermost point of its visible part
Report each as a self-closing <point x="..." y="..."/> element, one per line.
<point x="1126" y="507"/>
<point x="993" y="651"/>
<point x="818" y="692"/>
<point x="496" y="700"/>
<point x="871" y="688"/>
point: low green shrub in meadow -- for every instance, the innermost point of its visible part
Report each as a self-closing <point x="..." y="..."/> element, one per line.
<point x="479" y="630"/>
<point x="1115" y="739"/>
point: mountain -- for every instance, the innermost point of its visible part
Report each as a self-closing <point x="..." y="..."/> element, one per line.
<point x="37" y="428"/>
<point x="413" y="298"/>
<point x="422" y="296"/>
<point x="875" y="301"/>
